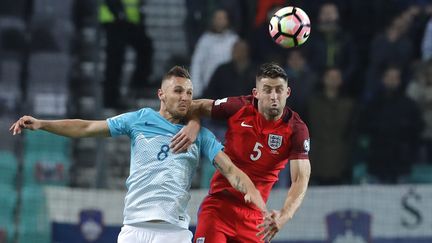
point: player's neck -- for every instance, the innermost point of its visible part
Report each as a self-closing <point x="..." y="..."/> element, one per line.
<point x="165" y="114"/>
<point x="271" y="118"/>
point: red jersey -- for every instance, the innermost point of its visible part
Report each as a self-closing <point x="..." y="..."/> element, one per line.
<point x="259" y="147"/>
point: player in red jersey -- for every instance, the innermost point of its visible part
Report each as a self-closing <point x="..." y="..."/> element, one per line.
<point x="263" y="135"/>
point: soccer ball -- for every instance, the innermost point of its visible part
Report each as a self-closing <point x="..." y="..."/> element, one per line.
<point x="289" y="27"/>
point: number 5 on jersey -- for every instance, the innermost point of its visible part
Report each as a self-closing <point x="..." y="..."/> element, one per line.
<point x="256" y="154"/>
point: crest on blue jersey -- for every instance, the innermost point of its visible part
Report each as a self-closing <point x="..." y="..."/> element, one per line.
<point x="274" y="141"/>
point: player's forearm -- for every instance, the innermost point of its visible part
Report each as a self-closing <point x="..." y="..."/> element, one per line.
<point x="239" y="180"/>
<point x="201" y="108"/>
<point x="73" y="128"/>
<point x="294" y="198"/>
<point x="194" y="124"/>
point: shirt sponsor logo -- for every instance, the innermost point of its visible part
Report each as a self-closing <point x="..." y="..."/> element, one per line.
<point x="274" y="141"/>
<point x="146" y="123"/>
<point x="243" y="124"/>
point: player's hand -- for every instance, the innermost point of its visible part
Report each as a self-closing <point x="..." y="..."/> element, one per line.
<point x="25" y="122"/>
<point x="271" y="226"/>
<point x="184" y="138"/>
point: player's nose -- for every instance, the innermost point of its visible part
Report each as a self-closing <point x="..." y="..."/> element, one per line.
<point x="273" y="95"/>
<point x="184" y="97"/>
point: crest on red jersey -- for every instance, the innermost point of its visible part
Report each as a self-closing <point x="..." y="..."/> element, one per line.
<point x="274" y="141"/>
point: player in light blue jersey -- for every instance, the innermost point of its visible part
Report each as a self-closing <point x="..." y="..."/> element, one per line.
<point x="159" y="180"/>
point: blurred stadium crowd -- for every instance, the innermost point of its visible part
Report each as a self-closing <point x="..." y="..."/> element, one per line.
<point x="362" y="82"/>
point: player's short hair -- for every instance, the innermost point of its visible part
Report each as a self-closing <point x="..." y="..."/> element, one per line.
<point x="176" y="71"/>
<point x="271" y="70"/>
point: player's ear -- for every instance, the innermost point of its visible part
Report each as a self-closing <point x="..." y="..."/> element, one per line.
<point x="254" y="92"/>
<point x="288" y="92"/>
<point x="161" y="94"/>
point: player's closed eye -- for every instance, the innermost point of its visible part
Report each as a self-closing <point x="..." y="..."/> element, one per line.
<point x="267" y="90"/>
<point x="277" y="90"/>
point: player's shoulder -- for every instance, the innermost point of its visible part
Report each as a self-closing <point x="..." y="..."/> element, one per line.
<point x="144" y="111"/>
<point x="205" y="133"/>
<point x="229" y="106"/>
<point x="293" y="119"/>
<point x="297" y="119"/>
<point x="136" y="115"/>
<point x="140" y="112"/>
<point x="234" y="100"/>
<point x="299" y="127"/>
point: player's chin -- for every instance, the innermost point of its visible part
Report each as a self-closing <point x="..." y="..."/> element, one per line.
<point x="182" y="111"/>
<point x="275" y="111"/>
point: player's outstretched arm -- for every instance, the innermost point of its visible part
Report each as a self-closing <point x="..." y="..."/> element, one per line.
<point x="239" y="180"/>
<point x="74" y="128"/>
<point x="187" y="135"/>
<point x="300" y="173"/>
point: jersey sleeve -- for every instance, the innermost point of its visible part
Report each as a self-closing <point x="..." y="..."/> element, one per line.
<point x="209" y="146"/>
<point x="121" y="124"/>
<point x="300" y="142"/>
<point x="226" y="107"/>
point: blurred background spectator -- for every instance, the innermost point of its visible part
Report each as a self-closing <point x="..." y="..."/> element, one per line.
<point x="264" y="49"/>
<point x="236" y="77"/>
<point x="392" y="47"/>
<point x="330" y="115"/>
<point x="427" y="39"/>
<point x="420" y="90"/>
<point x="213" y="48"/>
<point x="332" y="45"/>
<point x="301" y="79"/>
<point x="122" y="22"/>
<point x="393" y="123"/>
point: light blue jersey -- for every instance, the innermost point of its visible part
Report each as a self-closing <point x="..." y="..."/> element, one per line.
<point x="159" y="180"/>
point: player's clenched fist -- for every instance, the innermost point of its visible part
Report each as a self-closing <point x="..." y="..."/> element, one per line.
<point x="25" y="122"/>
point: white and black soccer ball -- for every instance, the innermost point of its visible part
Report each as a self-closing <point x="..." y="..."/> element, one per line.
<point x="290" y="27"/>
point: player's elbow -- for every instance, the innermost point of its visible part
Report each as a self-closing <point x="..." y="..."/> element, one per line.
<point x="201" y="107"/>
<point x="87" y="129"/>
